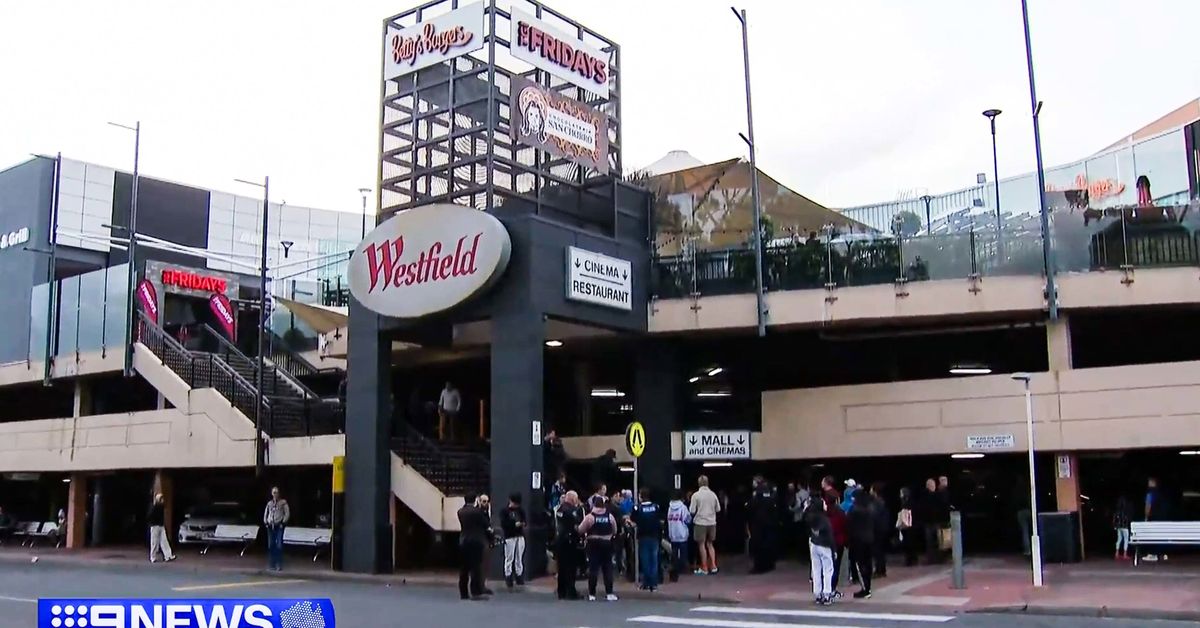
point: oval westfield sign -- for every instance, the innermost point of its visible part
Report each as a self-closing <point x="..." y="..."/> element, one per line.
<point x="428" y="259"/>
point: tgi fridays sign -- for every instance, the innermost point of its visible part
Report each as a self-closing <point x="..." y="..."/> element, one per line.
<point x="559" y="125"/>
<point x="599" y="279"/>
<point x="433" y="41"/>
<point x="564" y="56"/>
<point x="191" y="281"/>
<point x="428" y="259"/>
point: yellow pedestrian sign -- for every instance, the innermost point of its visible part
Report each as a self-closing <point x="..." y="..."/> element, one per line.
<point x="635" y="439"/>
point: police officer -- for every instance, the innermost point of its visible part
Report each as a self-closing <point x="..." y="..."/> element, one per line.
<point x="647" y="518"/>
<point x="567" y="518"/>
<point x="764" y="524"/>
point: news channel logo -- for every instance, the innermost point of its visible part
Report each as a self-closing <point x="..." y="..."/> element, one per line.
<point x="184" y="613"/>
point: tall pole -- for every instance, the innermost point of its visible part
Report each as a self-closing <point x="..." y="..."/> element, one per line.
<point x="364" y="192"/>
<point x="131" y="279"/>
<point x="1035" y="541"/>
<point x="759" y="292"/>
<point x="51" y="284"/>
<point x="995" y="163"/>
<point x="1036" y="106"/>
<point x="928" y="220"/>
<point x="262" y="331"/>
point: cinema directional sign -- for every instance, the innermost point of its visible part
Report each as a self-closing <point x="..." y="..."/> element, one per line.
<point x="717" y="445"/>
<point x="599" y="279"/>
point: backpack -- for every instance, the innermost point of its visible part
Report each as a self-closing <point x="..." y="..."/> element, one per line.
<point x="904" y="519"/>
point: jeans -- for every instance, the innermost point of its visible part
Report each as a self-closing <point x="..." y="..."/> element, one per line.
<point x="470" y="570"/>
<point x="275" y="547"/>
<point x="514" y="557"/>
<point x="1122" y="540"/>
<point x="822" y="570"/>
<point x="600" y="561"/>
<point x="648" y="561"/>
<point x="679" y="558"/>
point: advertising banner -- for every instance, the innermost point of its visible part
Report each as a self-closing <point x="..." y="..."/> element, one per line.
<point x="433" y="41"/>
<point x="223" y="310"/>
<point x="559" y="125"/>
<point x="148" y="297"/>
<point x="563" y="56"/>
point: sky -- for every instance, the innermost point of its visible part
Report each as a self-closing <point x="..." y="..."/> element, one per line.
<point x="855" y="101"/>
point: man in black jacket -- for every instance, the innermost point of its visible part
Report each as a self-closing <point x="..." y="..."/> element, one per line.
<point x="475" y="537"/>
<point x="512" y="524"/>
<point x="764" y="525"/>
<point x="862" y="539"/>
<point x="884" y="525"/>
<point x="567" y="518"/>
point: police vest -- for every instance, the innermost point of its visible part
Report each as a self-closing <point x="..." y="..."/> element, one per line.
<point x="602" y="526"/>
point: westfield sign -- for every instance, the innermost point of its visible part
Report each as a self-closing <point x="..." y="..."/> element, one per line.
<point x="428" y="259"/>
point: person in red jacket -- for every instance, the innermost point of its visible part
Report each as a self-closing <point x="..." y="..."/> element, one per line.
<point x="837" y="520"/>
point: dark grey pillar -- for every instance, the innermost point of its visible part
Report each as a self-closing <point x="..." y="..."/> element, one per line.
<point x="517" y="387"/>
<point x="367" y="538"/>
<point x="657" y="386"/>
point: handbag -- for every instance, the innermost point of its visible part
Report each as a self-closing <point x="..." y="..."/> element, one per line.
<point x="904" y="519"/>
<point x="945" y="539"/>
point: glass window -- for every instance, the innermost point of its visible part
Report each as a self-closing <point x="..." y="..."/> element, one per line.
<point x="91" y="311"/>
<point x="1163" y="161"/>
<point x="68" y="317"/>
<point x="37" y="322"/>
<point x="116" y="305"/>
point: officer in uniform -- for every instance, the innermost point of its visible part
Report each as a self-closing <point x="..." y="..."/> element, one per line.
<point x="567" y="518"/>
<point x="764" y="524"/>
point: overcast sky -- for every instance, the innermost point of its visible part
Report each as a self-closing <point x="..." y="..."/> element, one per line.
<point x="855" y="100"/>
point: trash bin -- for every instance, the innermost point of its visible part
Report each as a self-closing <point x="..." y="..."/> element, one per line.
<point x="1059" y="533"/>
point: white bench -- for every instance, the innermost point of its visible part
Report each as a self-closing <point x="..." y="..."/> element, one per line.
<point x="25" y="530"/>
<point x="1163" y="533"/>
<point x="317" y="538"/>
<point x="47" y="530"/>
<point x="229" y="533"/>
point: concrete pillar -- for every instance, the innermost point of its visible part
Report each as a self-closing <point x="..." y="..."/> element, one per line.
<point x="657" y="387"/>
<point x="1058" y="344"/>
<point x="582" y="380"/>
<point x="367" y="543"/>
<point x="77" y="511"/>
<point x="517" y="376"/>
<point x="83" y="398"/>
<point x="164" y="484"/>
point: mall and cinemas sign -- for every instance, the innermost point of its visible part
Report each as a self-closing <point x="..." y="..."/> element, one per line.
<point x="428" y="259"/>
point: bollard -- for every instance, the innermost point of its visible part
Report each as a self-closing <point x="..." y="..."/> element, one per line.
<point x="956" y="549"/>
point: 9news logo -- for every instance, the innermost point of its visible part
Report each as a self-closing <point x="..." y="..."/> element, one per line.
<point x="183" y="613"/>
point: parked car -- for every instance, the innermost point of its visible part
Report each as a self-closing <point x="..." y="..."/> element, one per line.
<point x="201" y="521"/>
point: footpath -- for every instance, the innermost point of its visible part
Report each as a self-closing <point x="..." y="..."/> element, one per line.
<point x="1096" y="588"/>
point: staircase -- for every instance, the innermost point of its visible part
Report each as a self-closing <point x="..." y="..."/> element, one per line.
<point x="455" y="470"/>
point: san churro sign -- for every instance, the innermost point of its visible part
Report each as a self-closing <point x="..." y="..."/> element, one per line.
<point x="428" y="259"/>
<point x="432" y="41"/>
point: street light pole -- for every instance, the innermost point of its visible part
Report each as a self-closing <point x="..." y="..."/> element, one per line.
<point x="262" y="324"/>
<point x="928" y="221"/>
<point x="760" y="290"/>
<point x="364" y="192"/>
<point x="132" y="256"/>
<point x="991" y="114"/>
<point x="1035" y="542"/>
<point x="1036" y="105"/>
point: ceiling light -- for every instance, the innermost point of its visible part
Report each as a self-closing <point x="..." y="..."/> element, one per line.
<point x="66" y="480"/>
<point x="554" y="343"/>
<point x="970" y="369"/>
<point x="715" y="372"/>
<point x="966" y="456"/>
<point x="710" y="465"/>
<point x="626" y="469"/>
<point x="693" y="380"/>
<point x="1190" y="452"/>
<point x="819" y="465"/>
<point x="607" y="392"/>
<point x="714" y="393"/>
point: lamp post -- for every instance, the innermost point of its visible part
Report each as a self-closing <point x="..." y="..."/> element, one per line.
<point x="1035" y="543"/>
<point x="991" y="114"/>
<point x="928" y="221"/>
<point x="748" y="138"/>
<point x="132" y="271"/>
<point x="364" y="192"/>
<point x="1036" y="105"/>
<point x="262" y="324"/>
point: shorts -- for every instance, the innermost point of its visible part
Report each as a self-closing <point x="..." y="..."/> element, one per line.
<point x="705" y="534"/>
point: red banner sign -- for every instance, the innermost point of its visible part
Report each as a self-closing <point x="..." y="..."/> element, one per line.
<point x="148" y="297"/>
<point x="224" y="311"/>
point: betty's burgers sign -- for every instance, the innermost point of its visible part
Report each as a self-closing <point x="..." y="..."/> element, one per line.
<point x="428" y="259"/>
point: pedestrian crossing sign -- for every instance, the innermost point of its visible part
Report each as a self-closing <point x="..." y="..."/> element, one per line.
<point x="635" y="439"/>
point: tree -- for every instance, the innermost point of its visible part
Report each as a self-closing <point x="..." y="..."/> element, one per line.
<point x="906" y="224"/>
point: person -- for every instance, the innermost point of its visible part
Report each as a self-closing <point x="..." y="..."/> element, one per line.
<point x="678" y="520"/>
<point x="1122" y="514"/>
<point x="512" y="524"/>
<point x="862" y="540"/>
<point x="883" y="530"/>
<point x="764" y="521"/>
<point x="60" y="530"/>
<point x="904" y="525"/>
<point x="275" y="518"/>
<point x="704" y="509"/>
<point x="837" y="521"/>
<point x="1155" y="510"/>
<point x="449" y="404"/>
<point x="567" y="518"/>
<point x="558" y="490"/>
<point x="647" y="521"/>
<point x="930" y="517"/>
<point x="604" y="469"/>
<point x="598" y="528"/>
<point x="7" y="526"/>
<point x="159" y="543"/>
<point x="554" y="455"/>
<point x="621" y="507"/>
<point x="475" y="535"/>
<point x="848" y="496"/>
<point x="796" y="508"/>
<point x="820" y="550"/>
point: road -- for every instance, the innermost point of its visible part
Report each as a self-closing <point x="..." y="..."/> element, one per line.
<point x="360" y="604"/>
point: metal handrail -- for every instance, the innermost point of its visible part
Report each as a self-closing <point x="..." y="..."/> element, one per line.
<point x="232" y="350"/>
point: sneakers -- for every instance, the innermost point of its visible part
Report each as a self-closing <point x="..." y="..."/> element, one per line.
<point x="173" y="557"/>
<point x="824" y="600"/>
<point x="865" y="594"/>
<point x="1150" y="558"/>
<point x="591" y="598"/>
<point x="700" y="572"/>
<point x="713" y="571"/>
<point x="611" y="597"/>
<point x="837" y="595"/>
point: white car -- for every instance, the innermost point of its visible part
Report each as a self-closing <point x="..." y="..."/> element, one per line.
<point x="201" y="521"/>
